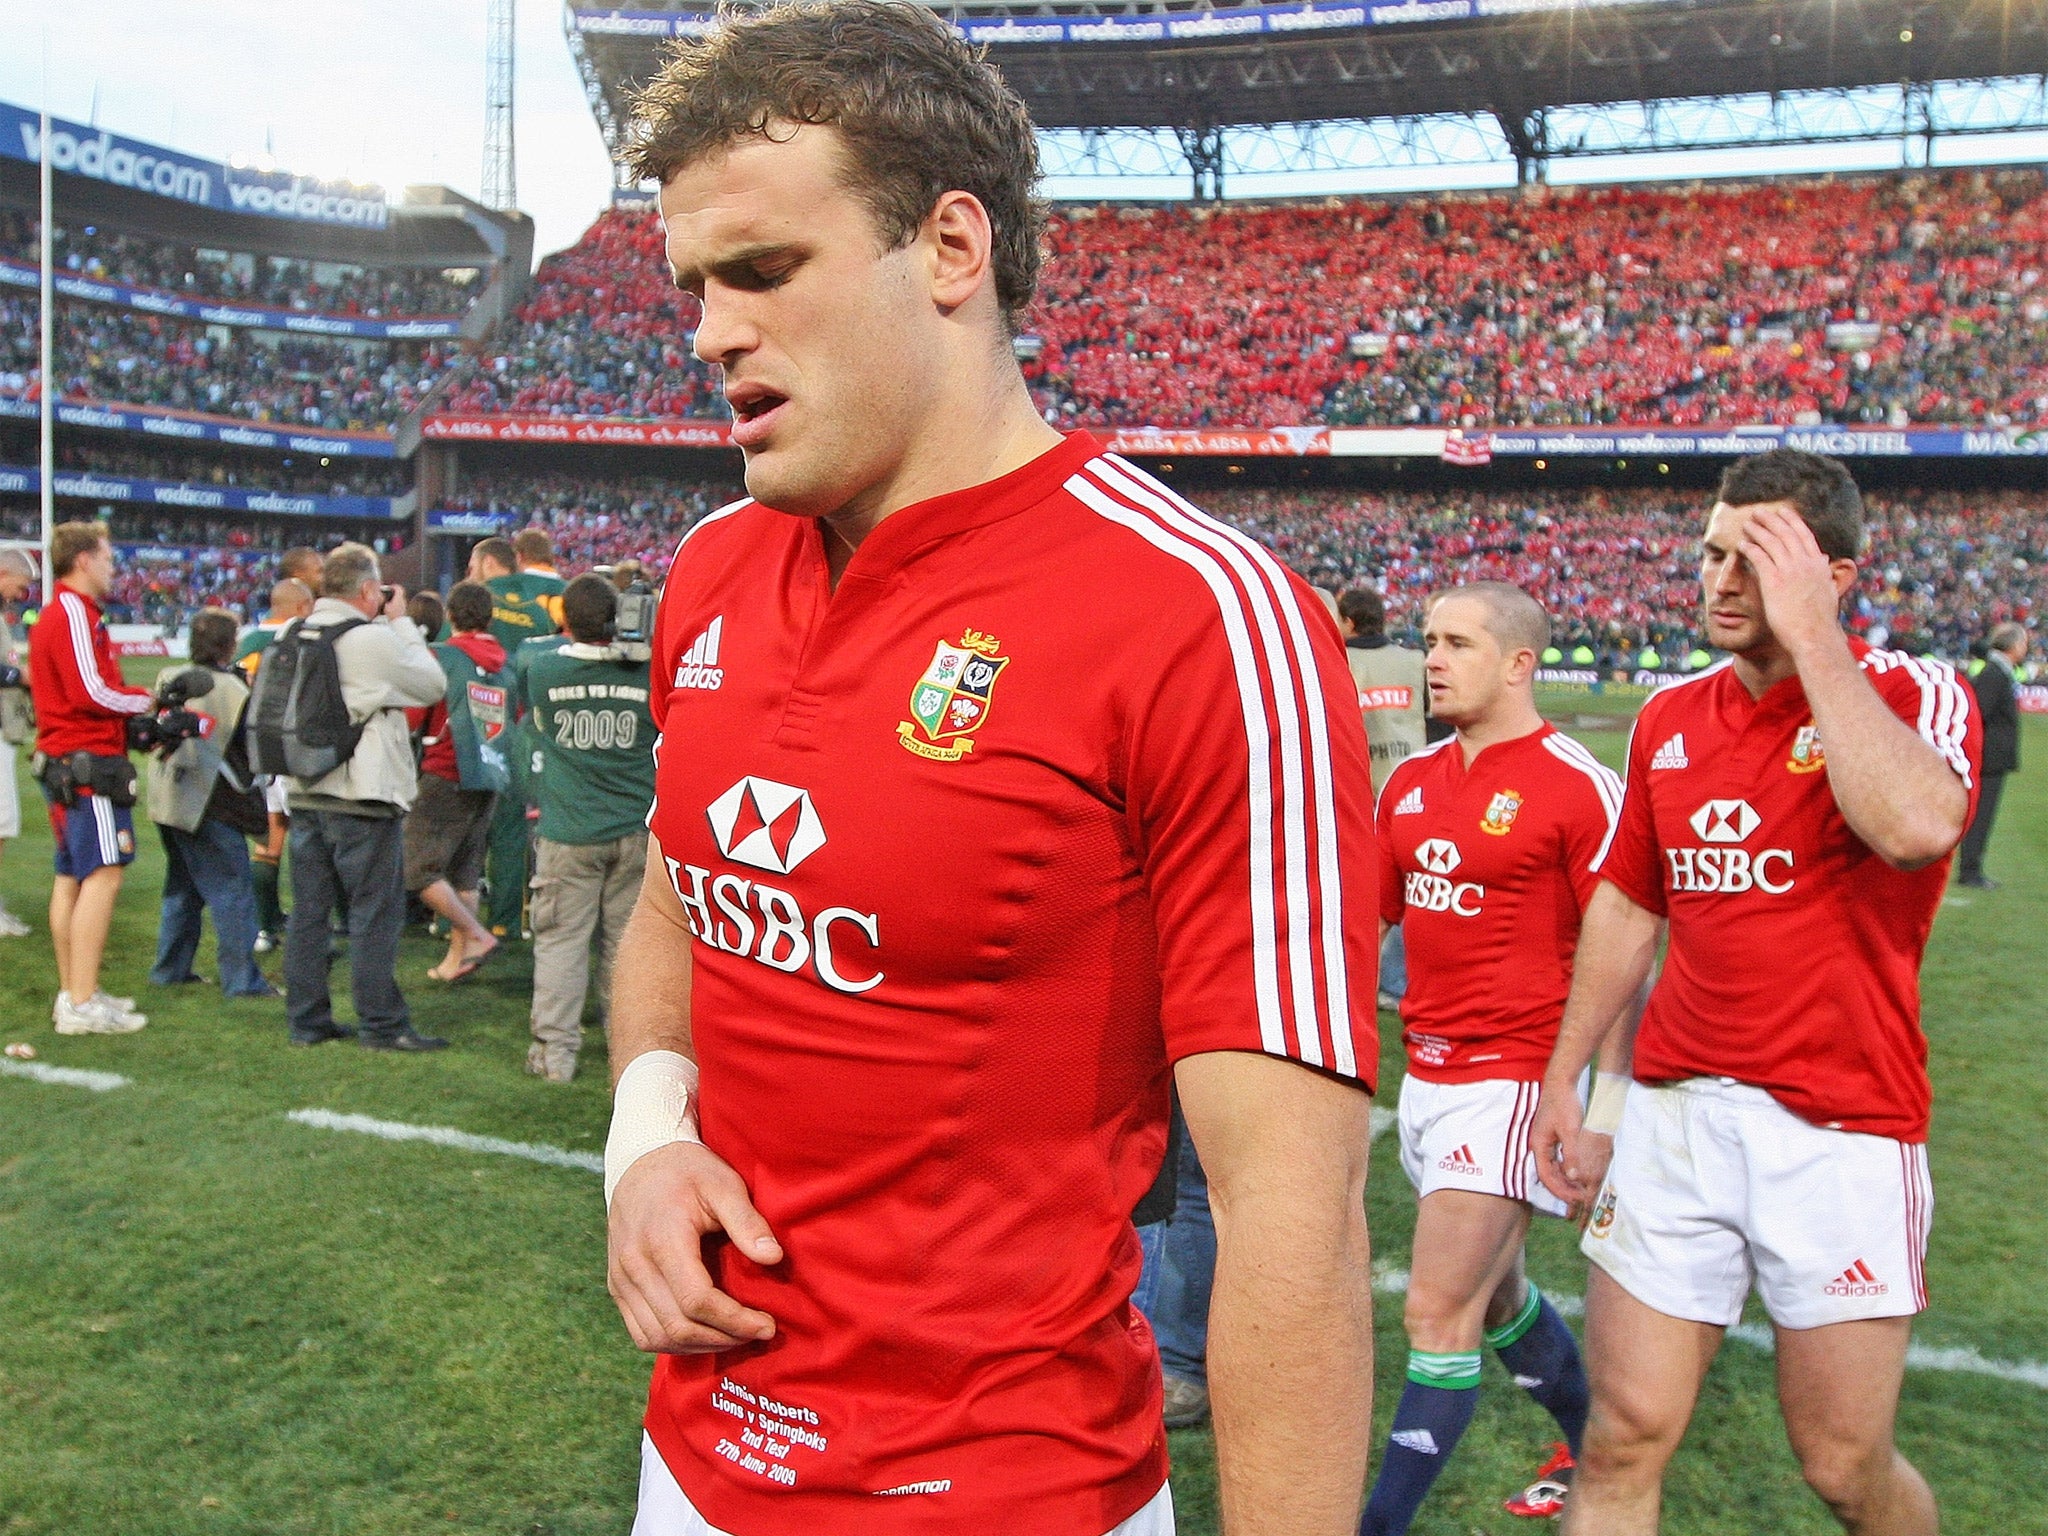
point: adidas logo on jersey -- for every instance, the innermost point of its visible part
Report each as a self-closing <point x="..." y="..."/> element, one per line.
<point x="1856" y="1280"/>
<point x="699" y="665"/>
<point x="1461" y="1161"/>
<point x="1416" y="1440"/>
<point x="1411" y="803"/>
<point x="1671" y="754"/>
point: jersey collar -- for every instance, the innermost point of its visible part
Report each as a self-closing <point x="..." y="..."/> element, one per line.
<point x="904" y="532"/>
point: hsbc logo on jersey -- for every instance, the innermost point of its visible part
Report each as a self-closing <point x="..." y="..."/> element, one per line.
<point x="1430" y="888"/>
<point x="768" y="825"/>
<point x="1725" y="821"/>
<point x="774" y="827"/>
<point x="1729" y="868"/>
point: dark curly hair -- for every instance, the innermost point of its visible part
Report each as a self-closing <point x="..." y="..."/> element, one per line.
<point x="1821" y="488"/>
<point x="922" y="114"/>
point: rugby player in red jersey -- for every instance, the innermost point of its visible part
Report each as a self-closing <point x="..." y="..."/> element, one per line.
<point x="1790" y="814"/>
<point x="1487" y="844"/>
<point x="1017" y="785"/>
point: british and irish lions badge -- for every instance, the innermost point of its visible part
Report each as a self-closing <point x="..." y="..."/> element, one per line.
<point x="952" y="700"/>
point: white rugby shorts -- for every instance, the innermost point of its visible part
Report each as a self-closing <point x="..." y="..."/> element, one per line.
<point x="665" y="1510"/>
<point x="10" y="793"/>
<point x="1473" y="1136"/>
<point x="1716" y="1186"/>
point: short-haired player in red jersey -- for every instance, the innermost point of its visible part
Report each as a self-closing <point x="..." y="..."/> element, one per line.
<point x="1021" y="789"/>
<point x="1790" y="814"/>
<point x="1487" y="845"/>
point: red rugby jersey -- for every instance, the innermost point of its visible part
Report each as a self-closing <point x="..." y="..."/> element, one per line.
<point x="1794" y="961"/>
<point x="1064" y="782"/>
<point x="1487" y="868"/>
<point x="82" y="702"/>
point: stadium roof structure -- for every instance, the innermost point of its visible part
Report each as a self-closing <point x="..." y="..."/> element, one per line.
<point x="1539" y="79"/>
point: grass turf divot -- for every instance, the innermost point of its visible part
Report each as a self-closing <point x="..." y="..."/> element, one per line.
<point x="448" y="1136"/>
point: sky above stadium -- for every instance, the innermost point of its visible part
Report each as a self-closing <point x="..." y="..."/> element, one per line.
<point x="389" y="91"/>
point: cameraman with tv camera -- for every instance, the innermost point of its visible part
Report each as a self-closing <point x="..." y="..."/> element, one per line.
<point x="84" y="709"/>
<point x="207" y="804"/>
<point x="594" y="783"/>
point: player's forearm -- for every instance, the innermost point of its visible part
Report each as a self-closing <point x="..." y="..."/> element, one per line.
<point x="650" y="1002"/>
<point x="1894" y="790"/>
<point x="1290" y="1362"/>
<point x="1617" y="946"/>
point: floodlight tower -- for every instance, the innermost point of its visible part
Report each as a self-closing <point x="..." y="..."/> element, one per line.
<point x="501" y="188"/>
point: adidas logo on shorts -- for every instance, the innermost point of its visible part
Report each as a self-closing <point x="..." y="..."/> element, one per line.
<point x="699" y="666"/>
<point x="1461" y="1161"/>
<point x="1671" y="754"/>
<point x="1411" y="803"/>
<point x="1856" y="1280"/>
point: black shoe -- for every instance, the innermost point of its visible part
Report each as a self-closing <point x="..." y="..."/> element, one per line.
<point x="404" y="1040"/>
<point x="323" y="1036"/>
<point x="268" y="991"/>
<point x="1978" y="882"/>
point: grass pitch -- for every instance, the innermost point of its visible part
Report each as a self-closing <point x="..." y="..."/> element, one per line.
<point x="219" y="1321"/>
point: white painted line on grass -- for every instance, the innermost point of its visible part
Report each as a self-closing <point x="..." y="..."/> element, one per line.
<point x="447" y="1136"/>
<point x="68" y="1077"/>
<point x="1382" y="1122"/>
<point x="1389" y="1281"/>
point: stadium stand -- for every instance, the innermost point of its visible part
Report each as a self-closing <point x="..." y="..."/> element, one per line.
<point x="328" y="288"/>
<point x="300" y="474"/>
<point x="603" y="334"/>
<point x="600" y="522"/>
<point x="112" y="355"/>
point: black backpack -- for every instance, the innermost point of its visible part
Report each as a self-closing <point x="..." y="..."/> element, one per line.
<point x="299" y="725"/>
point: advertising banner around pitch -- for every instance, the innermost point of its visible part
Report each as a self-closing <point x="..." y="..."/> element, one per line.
<point x="209" y="312"/>
<point x="192" y="427"/>
<point x="25" y="480"/>
<point x="98" y="155"/>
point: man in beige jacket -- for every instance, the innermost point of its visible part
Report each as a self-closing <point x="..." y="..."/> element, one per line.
<point x="347" y="837"/>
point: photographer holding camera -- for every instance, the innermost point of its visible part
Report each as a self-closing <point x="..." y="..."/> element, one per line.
<point x="331" y="696"/>
<point x="17" y="719"/>
<point x="596" y="781"/>
<point x="83" y="712"/>
<point x="206" y="805"/>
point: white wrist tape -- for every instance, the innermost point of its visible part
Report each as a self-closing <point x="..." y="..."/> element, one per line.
<point x="1603" y="1110"/>
<point x="654" y="1105"/>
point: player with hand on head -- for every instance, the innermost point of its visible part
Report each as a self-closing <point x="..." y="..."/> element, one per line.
<point x="1487" y="844"/>
<point x="1790" y="813"/>
<point x="1019" y="789"/>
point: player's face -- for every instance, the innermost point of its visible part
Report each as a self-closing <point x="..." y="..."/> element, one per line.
<point x="1732" y="604"/>
<point x="816" y="328"/>
<point x="93" y="572"/>
<point x="1464" y="662"/>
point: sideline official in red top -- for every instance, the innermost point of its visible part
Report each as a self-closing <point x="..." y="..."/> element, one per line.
<point x="83" y="707"/>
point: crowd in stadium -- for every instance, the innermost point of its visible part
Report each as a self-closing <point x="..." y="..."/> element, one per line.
<point x="599" y="522"/>
<point x="327" y="288"/>
<point x="1618" y="567"/>
<point x="602" y="334"/>
<point x="1553" y="306"/>
<point x="113" y="355"/>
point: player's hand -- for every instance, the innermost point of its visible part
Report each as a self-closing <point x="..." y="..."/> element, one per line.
<point x="1794" y="579"/>
<point x="1589" y="1156"/>
<point x="662" y="1210"/>
<point x="1554" y="1139"/>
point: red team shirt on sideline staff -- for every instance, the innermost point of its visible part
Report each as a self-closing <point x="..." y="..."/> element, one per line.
<point x="1064" y="782"/>
<point x="1794" y="961"/>
<point x="81" y="700"/>
<point x="1487" y="869"/>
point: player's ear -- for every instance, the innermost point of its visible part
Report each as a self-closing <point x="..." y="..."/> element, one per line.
<point x="960" y="248"/>
<point x="1844" y="573"/>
